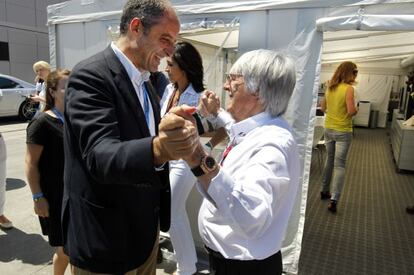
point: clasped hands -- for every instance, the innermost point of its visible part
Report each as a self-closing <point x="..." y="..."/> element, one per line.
<point x="177" y="133"/>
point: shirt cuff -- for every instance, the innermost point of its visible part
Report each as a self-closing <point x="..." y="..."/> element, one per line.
<point x="223" y="119"/>
<point x="159" y="168"/>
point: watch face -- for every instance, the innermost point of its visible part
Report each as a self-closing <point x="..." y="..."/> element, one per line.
<point x="210" y="162"/>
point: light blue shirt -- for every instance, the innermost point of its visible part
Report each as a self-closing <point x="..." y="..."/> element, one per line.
<point x="189" y="97"/>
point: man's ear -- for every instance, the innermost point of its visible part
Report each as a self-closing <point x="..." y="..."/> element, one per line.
<point x="134" y="25"/>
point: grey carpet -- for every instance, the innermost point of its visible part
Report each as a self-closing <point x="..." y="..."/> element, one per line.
<point x="371" y="233"/>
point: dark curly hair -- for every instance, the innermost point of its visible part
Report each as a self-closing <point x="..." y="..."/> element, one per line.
<point x="189" y="60"/>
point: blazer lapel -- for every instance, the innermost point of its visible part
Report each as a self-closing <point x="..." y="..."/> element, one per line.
<point x="126" y="88"/>
<point x="155" y="104"/>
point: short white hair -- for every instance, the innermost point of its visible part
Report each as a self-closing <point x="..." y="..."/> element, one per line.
<point x="271" y="74"/>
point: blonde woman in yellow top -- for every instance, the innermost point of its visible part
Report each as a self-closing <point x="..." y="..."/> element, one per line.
<point x="339" y="108"/>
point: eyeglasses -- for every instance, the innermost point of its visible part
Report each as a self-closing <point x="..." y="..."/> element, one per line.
<point x="232" y="77"/>
<point x="230" y="80"/>
<point x="355" y="72"/>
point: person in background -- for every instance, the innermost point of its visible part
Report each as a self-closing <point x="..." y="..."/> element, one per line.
<point x="45" y="162"/>
<point x="185" y="71"/>
<point x="42" y="70"/>
<point x="248" y="198"/>
<point x="339" y="107"/>
<point x="117" y="195"/>
<point x="4" y="221"/>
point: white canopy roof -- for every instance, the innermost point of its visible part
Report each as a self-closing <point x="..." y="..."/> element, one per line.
<point x="395" y="44"/>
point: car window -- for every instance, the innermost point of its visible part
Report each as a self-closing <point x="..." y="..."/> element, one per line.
<point x="8" y="84"/>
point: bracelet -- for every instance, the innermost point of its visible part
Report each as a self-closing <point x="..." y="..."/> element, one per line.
<point x="37" y="196"/>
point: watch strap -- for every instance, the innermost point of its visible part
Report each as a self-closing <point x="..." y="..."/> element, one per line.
<point x="197" y="171"/>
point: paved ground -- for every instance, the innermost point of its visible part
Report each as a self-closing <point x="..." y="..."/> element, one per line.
<point x="23" y="250"/>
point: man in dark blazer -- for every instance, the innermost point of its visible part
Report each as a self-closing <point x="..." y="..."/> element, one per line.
<point x="116" y="157"/>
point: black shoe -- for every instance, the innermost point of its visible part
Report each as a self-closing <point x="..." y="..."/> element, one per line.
<point x="325" y="195"/>
<point x="410" y="210"/>
<point x="332" y="206"/>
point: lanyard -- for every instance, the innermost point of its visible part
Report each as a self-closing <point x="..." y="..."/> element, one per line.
<point x="146" y="104"/>
<point x="225" y="153"/>
<point x="58" y="115"/>
<point x="230" y="146"/>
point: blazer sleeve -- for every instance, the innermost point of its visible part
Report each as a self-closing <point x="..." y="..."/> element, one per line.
<point x="93" y="112"/>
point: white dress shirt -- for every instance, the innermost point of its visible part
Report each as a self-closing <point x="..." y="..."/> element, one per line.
<point x="138" y="78"/>
<point x="245" y="211"/>
<point x="223" y="119"/>
<point x="189" y="97"/>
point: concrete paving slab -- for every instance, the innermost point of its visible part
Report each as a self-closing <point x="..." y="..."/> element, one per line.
<point x="23" y="250"/>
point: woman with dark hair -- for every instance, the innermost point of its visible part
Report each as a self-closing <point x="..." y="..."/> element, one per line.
<point x="44" y="164"/>
<point x="339" y="106"/>
<point x="185" y="70"/>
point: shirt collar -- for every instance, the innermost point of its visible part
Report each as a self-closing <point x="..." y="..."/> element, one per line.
<point x="240" y="129"/>
<point x="136" y="76"/>
<point x="189" y="89"/>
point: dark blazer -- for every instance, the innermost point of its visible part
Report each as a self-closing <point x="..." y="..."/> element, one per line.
<point x="114" y="199"/>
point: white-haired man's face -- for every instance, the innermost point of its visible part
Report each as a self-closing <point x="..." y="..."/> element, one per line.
<point x="241" y="103"/>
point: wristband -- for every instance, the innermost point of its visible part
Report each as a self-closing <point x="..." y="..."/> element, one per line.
<point x="37" y="196"/>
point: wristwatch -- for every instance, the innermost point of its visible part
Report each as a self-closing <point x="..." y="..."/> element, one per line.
<point x="207" y="165"/>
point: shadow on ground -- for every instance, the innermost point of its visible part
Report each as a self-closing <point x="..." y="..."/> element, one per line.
<point x="12" y="183"/>
<point x="28" y="248"/>
<point x="10" y="120"/>
<point x="169" y="264"/>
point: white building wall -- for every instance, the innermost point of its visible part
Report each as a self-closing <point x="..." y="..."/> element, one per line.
<point x="23" y="27"/>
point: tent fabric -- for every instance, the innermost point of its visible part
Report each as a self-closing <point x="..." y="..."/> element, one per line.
<point x="376" y="89"/>
<point x="191" y="7"/>
<point x="67" y="12"/>
<point x="292" y="26"/>
<point x="367" y="22"/>
<point x="409" y="61"/>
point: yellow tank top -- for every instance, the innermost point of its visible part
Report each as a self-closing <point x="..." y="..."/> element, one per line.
<point x="336" y="117"/>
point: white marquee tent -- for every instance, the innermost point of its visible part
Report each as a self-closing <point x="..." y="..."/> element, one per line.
<point x="377" y="35"/>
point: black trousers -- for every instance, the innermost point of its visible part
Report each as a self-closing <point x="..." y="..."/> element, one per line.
<point x="222" y="266"/>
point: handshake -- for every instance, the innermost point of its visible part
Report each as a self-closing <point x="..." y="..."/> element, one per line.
<point x="178" y="136"/>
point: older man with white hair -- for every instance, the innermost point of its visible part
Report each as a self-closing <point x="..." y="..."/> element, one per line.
<point x="249" y="197"/>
